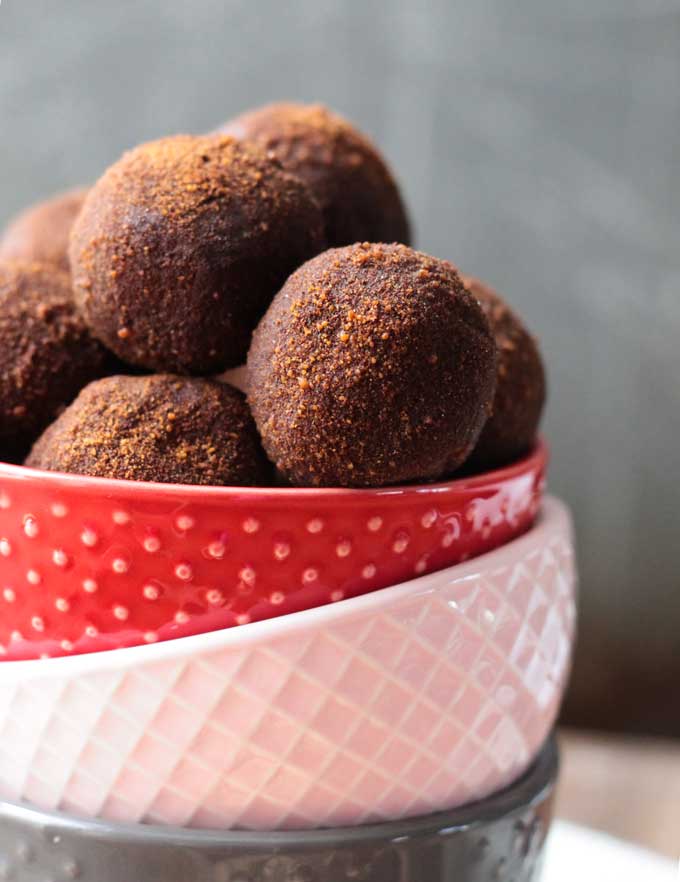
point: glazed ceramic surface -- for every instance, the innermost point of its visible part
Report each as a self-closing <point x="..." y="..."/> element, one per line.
<point x="405" y="701"/>
<point x="499" y="839"/>
<point x="88" y="564"/>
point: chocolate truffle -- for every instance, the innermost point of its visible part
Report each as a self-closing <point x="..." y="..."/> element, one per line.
<point x="182" y="244"/>
<point x="47" y="353"/>
<point x="352" y="377"/>
<point x="357" y="193"/>
<point x="41" y="233"/>
<point x="166" y="428"/>
<point x="520" y="384"/>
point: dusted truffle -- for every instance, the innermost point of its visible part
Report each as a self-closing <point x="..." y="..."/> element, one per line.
<point x="182" y="244"/>
<point x="357" y="193"/>
<point x="372" y="366"/>
<point x="520" y="385"/>
<point x="47" y="354"/>
<point x="163" y="428"/>
<point x="41" y="233"/>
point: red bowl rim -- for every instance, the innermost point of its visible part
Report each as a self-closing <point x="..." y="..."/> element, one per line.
<point x="551" y="512"/>
<point x="536" y="459"/>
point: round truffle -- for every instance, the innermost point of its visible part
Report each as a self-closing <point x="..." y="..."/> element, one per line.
<point x="166" y="428"/>
<point x="41" y="232"/>
<point x="351" y="181"/>
<point x="518" y="403"/>
<point x="352" y="376"/>
<point x="182" y="244"/>
<point x="47" y="353"/>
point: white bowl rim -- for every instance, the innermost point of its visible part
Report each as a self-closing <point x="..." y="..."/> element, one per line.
<point x="552" y="512"/>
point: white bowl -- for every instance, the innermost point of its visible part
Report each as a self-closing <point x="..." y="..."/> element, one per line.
<point x="412" y="699"/>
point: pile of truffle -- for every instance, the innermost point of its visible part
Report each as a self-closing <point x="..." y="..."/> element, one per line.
<point x="280" y="241"/>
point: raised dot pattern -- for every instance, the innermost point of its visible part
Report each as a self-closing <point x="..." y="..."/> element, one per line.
<point x="83" y="567"/>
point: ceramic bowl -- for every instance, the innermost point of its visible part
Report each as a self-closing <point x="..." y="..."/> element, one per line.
<point x="88" y="564"/>
<point x="398" y="703"/>
<point x="498" y="839"/>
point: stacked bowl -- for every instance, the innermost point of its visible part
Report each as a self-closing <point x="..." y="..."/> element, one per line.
<point x="308" y="619"/>
<point x="399" y="653"/>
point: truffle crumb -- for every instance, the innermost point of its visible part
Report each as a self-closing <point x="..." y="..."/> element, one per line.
<point x="161" y="428"/>
<point x="377" y="408"/>
<point x="351" y="181"/>
<point x="41" y="232"/>
<point x="47" y="353"/>
<point x="520" y="395"/>
<point x="212" y="227"/>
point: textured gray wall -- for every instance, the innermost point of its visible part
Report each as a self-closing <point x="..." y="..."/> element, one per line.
<point x="539" y="147"/>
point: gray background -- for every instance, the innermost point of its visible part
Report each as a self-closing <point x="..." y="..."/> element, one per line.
<point x="538" y="146"/>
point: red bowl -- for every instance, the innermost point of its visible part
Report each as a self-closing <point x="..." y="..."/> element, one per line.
<point x="88" y="564"/>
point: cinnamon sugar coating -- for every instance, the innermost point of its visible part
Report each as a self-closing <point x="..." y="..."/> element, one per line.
<point x="372" y="366"/>
<point x="162" y="428"/>
<point x="520" y="395"/>
<point x="346" y="173"/>
<point x="41" y="232"/>
<point x="180" y="247"/>
<point x="47" y="354"/>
